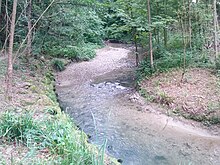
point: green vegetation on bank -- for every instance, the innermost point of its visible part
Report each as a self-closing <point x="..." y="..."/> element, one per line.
<point x="167" y="60"/>
<point x="55" y="135"/>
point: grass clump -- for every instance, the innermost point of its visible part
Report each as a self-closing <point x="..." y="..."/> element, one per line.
<point x="57" y="135"/>
<point x="58" y="65"/>
<point x="16" y="127"/>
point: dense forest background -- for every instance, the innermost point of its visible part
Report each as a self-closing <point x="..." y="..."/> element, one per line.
<point x="173" y="33"/>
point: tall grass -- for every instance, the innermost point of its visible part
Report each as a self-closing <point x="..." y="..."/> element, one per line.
<point x="58" y="135"/>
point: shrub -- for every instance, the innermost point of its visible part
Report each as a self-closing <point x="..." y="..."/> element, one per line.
<point x="87" y="52"/>
<point x="58" y="65"/>
<point x="166" y="60"/>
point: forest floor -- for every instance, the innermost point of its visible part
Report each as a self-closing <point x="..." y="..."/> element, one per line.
<point x="196" y="97"/>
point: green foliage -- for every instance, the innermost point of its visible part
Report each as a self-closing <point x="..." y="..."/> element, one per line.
<point x="58" y="135"/>
<point x="16" y="127"/>
<point x="218" y="64"/>
<point x="69" y="32"/>
<point x="58" y="65"/>
<point x="125" y="19"/>
<point x="80" y="52"/>
<point x="63" y="31"/>
<point x="70" y="52"/>
<point x="165" y="61"/>
<point x="175" y="42"/>
<point x="87" y="51"/>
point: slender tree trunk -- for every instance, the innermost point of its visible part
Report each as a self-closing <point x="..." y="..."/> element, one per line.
<point x="190" y="24"/>
<point x="165" y="29"/>
<point x="158" y="28"/>
<point x="10" y="51"/>
<point x="29" y="37"/>
<point x="6" y="17"/>
<point x="165" y="36"/>
<point x="183" y="21"/>
<point x="136" y="48"/>
<point x="0" y="22"/>
<point x="215" y="30"/>
<point x="0" y="7"/>
<point x="150" y="35"/>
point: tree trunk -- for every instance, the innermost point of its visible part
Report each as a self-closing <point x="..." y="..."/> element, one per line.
<point x="215" y="30"/>
<point x="136" y="48"/>
<point x="165" y="31"/>
<point x="158" y="28"/>
<point x="10" y="51"/>
<point x="0" y="7"/>
<point x="6" y="36"/>
<point x="190" y="24"/>
<point x="29" y="37"/>
<point x="150" y="35"/>
<point x="183" y="21"/>
<point x="165" y="36"/>
<point x="1" y="38"/>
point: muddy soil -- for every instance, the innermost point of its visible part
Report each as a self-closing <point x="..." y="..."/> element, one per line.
<point x="100" y="97"/>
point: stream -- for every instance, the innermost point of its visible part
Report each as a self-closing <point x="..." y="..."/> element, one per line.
<point x="100" y="97"/>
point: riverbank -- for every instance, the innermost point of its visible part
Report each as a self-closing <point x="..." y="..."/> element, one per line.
<point x="33" y="129"/>
<point x="100" y="96"/>
<point x="196" y="97"/>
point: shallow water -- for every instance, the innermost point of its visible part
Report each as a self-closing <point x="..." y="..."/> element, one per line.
<point x="99" y="95"/>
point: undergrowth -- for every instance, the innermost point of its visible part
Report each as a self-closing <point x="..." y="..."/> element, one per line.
<point x="58" y="65"/>
<point x="166" y="60"/>
<point x="82" y="52"/>
<point x="56" y="134"/>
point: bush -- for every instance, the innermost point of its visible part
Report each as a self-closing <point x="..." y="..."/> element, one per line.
<point x="59" y="51"/>
<point x="175" y="42"/>
<point x="81" y="52"/>
<point x="164" y="62"/>
<point x="87" y="52"/>
<point x="58" y="65"/>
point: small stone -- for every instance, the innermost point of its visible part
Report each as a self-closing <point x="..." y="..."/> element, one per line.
<point x="120" y="161"/>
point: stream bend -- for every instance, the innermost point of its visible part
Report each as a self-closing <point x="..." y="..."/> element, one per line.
<point x="99" y="95"/>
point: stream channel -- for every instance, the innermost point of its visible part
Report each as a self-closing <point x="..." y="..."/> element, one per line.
<point x="100" y="97"/>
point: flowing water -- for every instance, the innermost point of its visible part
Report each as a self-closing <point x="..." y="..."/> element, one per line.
<point x="99" y="95"/>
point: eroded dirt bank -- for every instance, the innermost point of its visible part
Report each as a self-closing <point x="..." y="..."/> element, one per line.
<point x="99" y="95"/>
